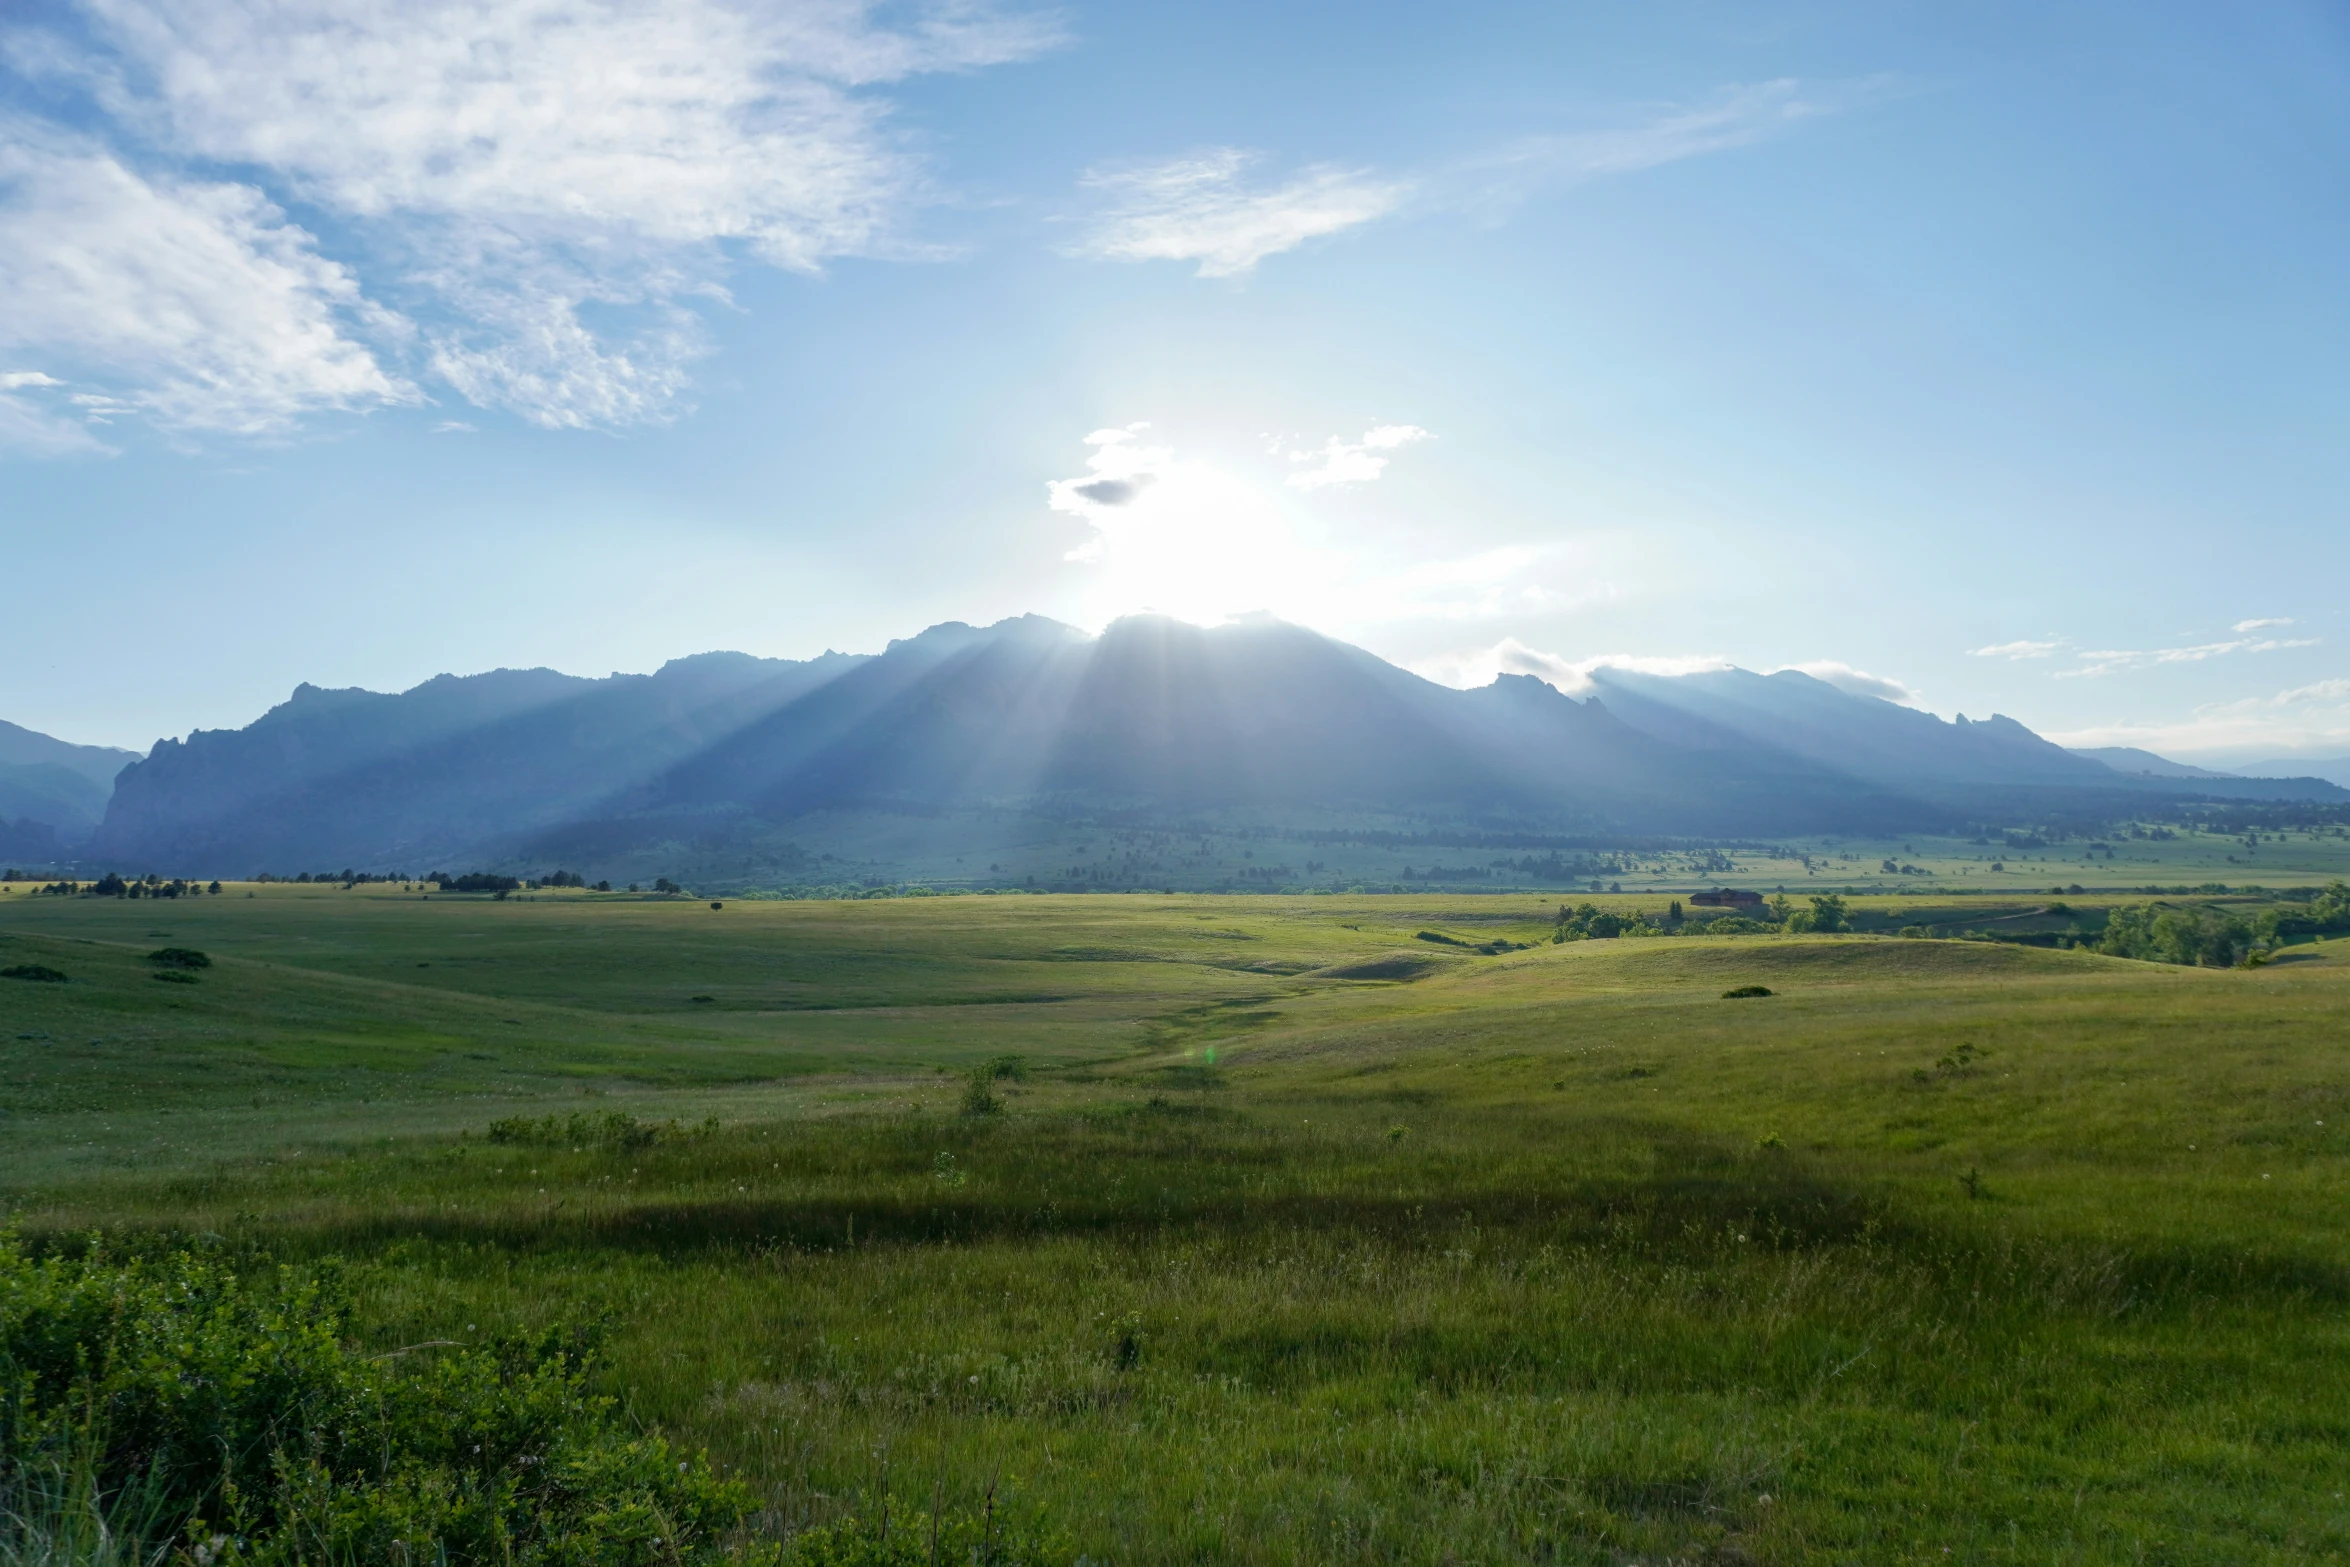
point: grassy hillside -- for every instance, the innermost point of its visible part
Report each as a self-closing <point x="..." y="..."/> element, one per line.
<point x="1943" y="1251"/>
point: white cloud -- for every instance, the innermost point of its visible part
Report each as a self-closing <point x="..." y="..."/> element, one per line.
<point x="211" y="309"/>
<point x="2242" y="626"/>
<point x="509" y="171"/>
<point x="1510" y="656"/>
<point x="2016" y="650"/>
<point x="1354" y="462"/>
<point x="1855" y="682"/>
<point x="1200" y="209"/>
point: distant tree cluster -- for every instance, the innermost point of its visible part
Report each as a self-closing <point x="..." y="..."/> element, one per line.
<point x="112" y="885"/>
<point x="475" y="881"/>
<point x="346" y="877"/>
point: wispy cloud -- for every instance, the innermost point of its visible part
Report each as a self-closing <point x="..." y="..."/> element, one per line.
<point x="2261" y="625"/>
<point x="1739" y="115"/>
<point x="1202" y="208"/>
<point x="1205" y="208"/>
<point x="528" y="194"/>
<point x="1353" y="462"/>
<point x="2110" y="661"/>
<point x="2016" y="650"/>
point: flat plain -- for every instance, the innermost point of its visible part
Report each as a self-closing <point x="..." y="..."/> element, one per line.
<point x="1266" y="1229"/>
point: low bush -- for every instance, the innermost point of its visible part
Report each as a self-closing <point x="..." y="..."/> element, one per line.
<point x="179" y="1401"/>
<point x="179" y="957"/>
<point x="612" y="1129"/>
<point x="38" y="973"/>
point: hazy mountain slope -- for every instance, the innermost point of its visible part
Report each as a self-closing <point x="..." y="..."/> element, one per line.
<point x="2333" y="769"/>
<point x="454" y="766"/>
<point x="52" y="792"/>
<point x="2130" y="759"/>
<point x="22" y="747"/>
<point x="1681" y="773"/>
<point x="1860" y="736"/>
<point x="59" y="798"/>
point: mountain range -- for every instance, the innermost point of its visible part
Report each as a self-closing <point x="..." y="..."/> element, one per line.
<point x="976" y="740"/>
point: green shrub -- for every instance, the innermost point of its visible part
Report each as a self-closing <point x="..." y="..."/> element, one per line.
<point x="179" y="958"/>
<point x="1746" y="992"/>
<point x="979" y="1095"/>
<point x="232" y="1412"/>
<point x="38" y="973"/>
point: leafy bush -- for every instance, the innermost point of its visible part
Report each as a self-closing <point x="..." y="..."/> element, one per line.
<point x="1746" y="992"/>
<point x="1826" y="915"/>
<point x="2327" y="914"/>
<point x="1587" y="922"/>
<point x="38" y="973"/>
<point x="178" y="957"/>
<point x="231" y="1412"/>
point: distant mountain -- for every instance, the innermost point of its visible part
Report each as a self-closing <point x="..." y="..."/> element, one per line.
<point x="1865" y="737"/>
<point x="1253" y="715"/>
<point x="2130" y="759"/>
<point x="757" y="770"/>
<point x="2333" y="769"/>
<point x="456" y="766"/>
<point x="52" y="792"/>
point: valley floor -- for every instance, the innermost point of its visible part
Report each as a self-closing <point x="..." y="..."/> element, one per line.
<point x="1267" y="1230"/>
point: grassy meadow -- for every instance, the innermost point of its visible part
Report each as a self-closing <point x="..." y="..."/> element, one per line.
<point x="1264" y="1230"/>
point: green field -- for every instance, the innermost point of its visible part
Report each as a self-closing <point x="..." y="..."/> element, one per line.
<point x="1293" y="1236"/>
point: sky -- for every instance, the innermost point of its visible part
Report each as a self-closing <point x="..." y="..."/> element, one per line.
<point x="1989" y="358"/>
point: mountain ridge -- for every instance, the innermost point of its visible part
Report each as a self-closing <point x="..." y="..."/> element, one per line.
<point x="770" y="764"/>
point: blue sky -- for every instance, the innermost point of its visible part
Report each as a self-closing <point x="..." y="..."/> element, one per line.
<point x="1989" y="356"/>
